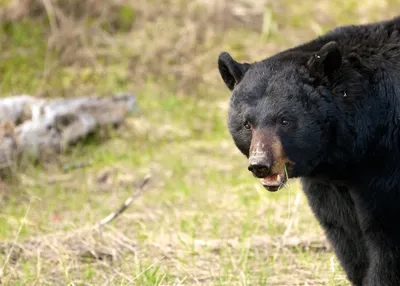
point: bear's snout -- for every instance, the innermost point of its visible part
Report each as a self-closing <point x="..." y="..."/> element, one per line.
<point x="267" y="159"/>
<point x="260" y="166"/>
<point x="260" y="159"/>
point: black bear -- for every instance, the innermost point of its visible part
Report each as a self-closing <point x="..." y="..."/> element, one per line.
<point x="328" y="112"/>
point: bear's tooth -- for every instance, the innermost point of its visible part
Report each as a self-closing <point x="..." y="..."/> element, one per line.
<point x="278" y="177"/>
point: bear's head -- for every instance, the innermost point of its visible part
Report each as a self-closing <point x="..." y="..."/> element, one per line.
<point x="283" y="112"/>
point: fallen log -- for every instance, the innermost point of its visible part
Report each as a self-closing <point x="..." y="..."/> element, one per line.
<point x="39" y="128"/>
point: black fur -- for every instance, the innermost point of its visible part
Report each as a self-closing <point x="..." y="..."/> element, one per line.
<point x="341" y="95"/>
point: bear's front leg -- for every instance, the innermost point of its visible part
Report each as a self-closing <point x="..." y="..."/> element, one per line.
<point x="334" y="208"/>
<point x="378" y="211"/>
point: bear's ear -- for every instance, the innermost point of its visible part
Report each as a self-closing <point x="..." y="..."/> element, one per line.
<point x="326" y="61"/>
<point x="231" y="71"/>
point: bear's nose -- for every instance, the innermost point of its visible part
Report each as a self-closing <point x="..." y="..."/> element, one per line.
<point x="260" y="169"/>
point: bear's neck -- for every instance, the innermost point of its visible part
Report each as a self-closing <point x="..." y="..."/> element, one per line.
<point x="361" y="175"/>
<point x="377" y="44"/>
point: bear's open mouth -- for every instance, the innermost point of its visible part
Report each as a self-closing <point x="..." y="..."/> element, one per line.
<point x="274" y="182"/>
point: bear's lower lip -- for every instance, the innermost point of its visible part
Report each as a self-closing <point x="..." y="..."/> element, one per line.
<point x="272" y="189"/>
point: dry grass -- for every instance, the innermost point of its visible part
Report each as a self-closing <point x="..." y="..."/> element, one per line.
<point x="203" y="220"/>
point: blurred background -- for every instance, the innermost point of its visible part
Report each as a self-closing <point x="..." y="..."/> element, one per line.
<point x="202" y="219"/>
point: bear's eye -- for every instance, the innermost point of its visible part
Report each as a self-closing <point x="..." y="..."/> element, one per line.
<point x="247" y="125"/>
<point x="284" y="122"/>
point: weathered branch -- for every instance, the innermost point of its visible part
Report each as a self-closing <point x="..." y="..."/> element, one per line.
<point x="126" y="204"/>
<point x="41" y="128"/>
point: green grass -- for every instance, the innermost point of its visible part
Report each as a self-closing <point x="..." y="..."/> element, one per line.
<point x="203" y="220"/>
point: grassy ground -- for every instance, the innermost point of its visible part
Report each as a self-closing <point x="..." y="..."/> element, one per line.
<point x="203" y="219"/>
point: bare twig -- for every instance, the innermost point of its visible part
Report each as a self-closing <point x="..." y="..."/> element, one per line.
<point x="126" y="204"/>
